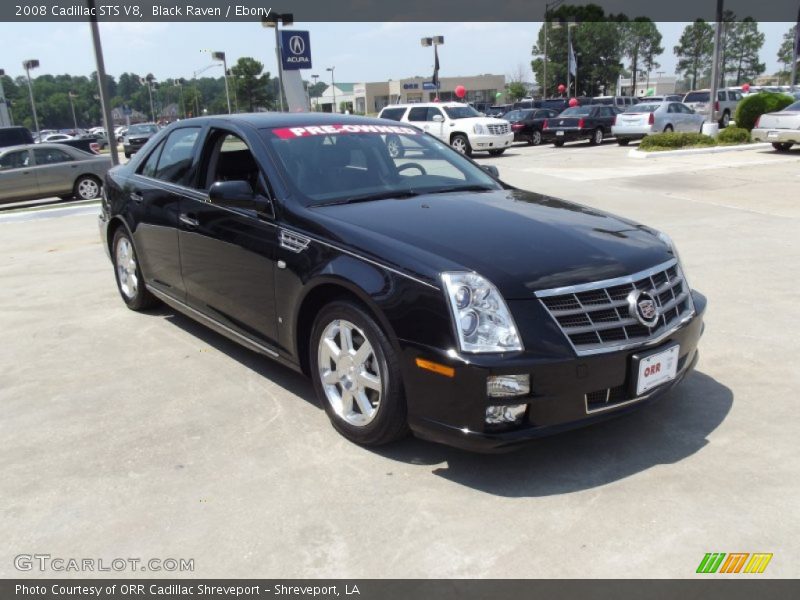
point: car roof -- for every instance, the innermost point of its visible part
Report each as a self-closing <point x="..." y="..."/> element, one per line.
<point x="34" y="146"/>
<point x="276" y="119"/>
<point x="423" y="104"/>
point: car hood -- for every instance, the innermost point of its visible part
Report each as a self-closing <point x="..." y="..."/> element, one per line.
<point x="521" y="241"/>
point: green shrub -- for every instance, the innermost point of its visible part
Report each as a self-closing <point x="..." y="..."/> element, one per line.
<point x="733" y="135"/>
<point x="672" y="141"/>
<point x="753" y="106"/>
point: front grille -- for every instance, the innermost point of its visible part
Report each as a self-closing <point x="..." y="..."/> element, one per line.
<point x="597" y="318"/>
<point x="499" y="129"/>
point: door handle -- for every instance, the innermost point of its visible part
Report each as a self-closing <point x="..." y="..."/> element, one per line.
<point x="136" y="197"/>
<point x="189" y="221"/>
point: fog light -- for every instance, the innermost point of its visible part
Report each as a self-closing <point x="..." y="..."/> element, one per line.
<point x="505" y="415"/>
<point x="508" y="386"/>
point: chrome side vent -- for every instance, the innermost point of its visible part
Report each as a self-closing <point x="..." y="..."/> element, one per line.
<point x="293" y="242"/>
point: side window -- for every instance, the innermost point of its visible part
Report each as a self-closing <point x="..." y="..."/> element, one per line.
<point x="14" y="160"/>
<point x="175" y="162"/>
<point x="230" y="159"/>
<point x="433" y="111"/>
<point x="721" y="96"/>
<point x="672" y="108"/>
<point x="395" y="114"/>
<point x="148" y="169"/>
<point x="50" y="156"/>
<point x="418" y="113"/>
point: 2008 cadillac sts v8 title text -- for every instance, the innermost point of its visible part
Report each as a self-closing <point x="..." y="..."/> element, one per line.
<point x="417" y="290"/>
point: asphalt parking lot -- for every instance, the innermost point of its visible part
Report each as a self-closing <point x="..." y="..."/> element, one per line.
<point x="147" y="435"/>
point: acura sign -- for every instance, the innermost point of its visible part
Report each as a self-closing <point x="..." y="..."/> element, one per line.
<point x="295" y="50"/>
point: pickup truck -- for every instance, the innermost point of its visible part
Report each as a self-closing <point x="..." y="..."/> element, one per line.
<point x="16" y="136"/>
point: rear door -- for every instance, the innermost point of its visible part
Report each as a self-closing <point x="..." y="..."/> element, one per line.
<point x="17" y="178"/>
<point x="56" y="170"/>
<point x="228" y="255"/>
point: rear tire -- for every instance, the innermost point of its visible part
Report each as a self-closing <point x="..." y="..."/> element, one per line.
<point x="536" y="138"/>
<point x="725" y="120"/>
<point x="668" y="129"/>
<point x="782" y="146"/>
<point x="558" y="144"/>
<point x="127" y="155"/>
<point x="128" y="273"/>
<point x="87" y="187"/>
<point x="356" y="375"/>
<point x="623" y="141"/>
<point x="597" y="137"/>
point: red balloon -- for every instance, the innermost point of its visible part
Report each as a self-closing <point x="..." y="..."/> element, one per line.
<point x="573" y="102"/>
<point x="461" y="91"/>
<point x="436" y="99"/>
<point x="746" y="87"/>
<point x="561" y="88"/>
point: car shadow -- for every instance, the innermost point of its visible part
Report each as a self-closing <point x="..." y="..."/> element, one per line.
<point x="661" y="433"/>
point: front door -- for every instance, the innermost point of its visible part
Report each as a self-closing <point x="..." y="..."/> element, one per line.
<point x="55" y="170"/>
<point x="228" y="255"/>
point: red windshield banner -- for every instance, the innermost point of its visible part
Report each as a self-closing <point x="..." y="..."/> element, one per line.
<point x="289" y="133"/>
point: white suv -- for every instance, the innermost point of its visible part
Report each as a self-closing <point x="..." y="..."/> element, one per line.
<point x="458" y="124"/>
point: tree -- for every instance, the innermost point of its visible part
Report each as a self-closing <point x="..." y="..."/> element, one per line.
<point x="695" y="50"/>
<point x="641" y="42"/>
<point x="251" y="83"/>
<point x="786" y="52"/>
<point x="596" y="39"/>
<point x="743" y="42"/>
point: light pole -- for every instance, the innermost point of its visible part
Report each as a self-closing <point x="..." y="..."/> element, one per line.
<point x="179" y="83"/>
<point x="28" y="65"/>
<point x="273" y="20"/>
<point x="547" y="8"/>
<point x="235" y="94"/>
<point x="148" y="81"/>
<point x="437" y="40"/>
<point x="333" y="89"/>
<point x="5" y="113"/>
<point x="220" y="56"/>
<point x="72" y="96"/>
<point x="315" y="78"/>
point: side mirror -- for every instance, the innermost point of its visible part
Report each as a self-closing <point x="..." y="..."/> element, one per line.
<point x="438" y="118"/>
<point x="238" y="194"/>
<point x="491" y="170"/>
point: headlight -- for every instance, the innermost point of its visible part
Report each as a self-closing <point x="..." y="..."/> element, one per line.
<point x="479" y="129"/>
<point x="482" y="319"/>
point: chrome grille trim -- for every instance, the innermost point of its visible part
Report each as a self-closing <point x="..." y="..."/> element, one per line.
<point x="499" y="129"/>
<point x="594" y="317"/>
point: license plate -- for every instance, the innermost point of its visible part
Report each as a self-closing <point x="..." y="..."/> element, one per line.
<point x="772" y="134"/>
<point x="559" y="133"/>
<point x="657" y="369"/>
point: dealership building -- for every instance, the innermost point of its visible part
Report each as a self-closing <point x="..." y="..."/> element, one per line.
<point x="371" y="97"/>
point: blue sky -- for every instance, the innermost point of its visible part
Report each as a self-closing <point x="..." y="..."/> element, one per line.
<point x="359" y="51"/>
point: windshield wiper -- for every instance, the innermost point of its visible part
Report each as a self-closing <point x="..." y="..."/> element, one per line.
<point x="396" y="194"/>
<point x="462" y="188"/>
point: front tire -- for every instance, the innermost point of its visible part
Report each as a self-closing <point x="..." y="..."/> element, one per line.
<point x="130" y="282"/>
<point x="356" y="375"/>
<point x="782" y="146"/>
<point x="558" y="144"/>
<point x="87" y="187"/>
<point x="460" y="143"/>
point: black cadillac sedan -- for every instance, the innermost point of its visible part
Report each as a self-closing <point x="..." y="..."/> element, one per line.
<point x="419" y="293"/>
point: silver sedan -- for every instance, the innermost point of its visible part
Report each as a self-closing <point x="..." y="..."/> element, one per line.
<point x="781" y="128"/>
<point x="43" y="170"/>
<point x="655" y="117"/>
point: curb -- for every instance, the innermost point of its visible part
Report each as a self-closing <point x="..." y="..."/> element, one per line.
<point x="636" y="153"/>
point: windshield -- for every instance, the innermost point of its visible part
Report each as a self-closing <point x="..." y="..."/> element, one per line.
<point x="517" y="115"/>
<point x="643" y="108"/>
<point x="576" y="111"/>
<point x="461" y="112"/>
<point x="139" y="129"/>
<point x="696" y="97"/>
<point x="342" y="163"/>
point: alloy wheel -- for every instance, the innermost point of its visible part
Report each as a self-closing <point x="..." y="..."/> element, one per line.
<point x="459" y="145"/>
<point x="349" y="372"/>
<point x="126" y="268"/>
<point x="88" y="189"/>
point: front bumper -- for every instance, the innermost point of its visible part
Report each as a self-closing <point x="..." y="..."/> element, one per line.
<point x="490" y="142"/>
<point x="776" y="136"/>
<point x="452" y="410"/>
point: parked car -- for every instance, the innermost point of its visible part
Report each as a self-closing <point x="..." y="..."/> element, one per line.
<point x="56" y="137"/>
<point x="527" y="124"/>
<point x="41" y="170"/>
<point x="781" y="128"/>
<point x="622" y="102"/>
<point x="498" y="110"/>
<point x="15" y="136"/>
<point x="137" y="136"/>
<point x="417" y="293"/>
<point x="591" y="123"/>
<point x="655" y="117"/>
<point x="667" y="98"/>
<point x="724" y="107"/>
<point x="119" y="133"/>
<point x="458" y="124"/>
<point x="560" y="104"/>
